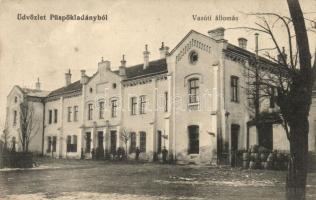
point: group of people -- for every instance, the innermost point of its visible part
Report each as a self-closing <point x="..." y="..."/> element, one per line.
<point x="120" y="154"/>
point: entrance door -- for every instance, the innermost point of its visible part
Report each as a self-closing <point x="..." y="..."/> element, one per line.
<point x="194" y="143"/>
<point x="100" y="139"/>
<point x="234" y="143"/>
<point x="113" y="142"/>
<point x="265" y="135"/>
<point x="88" y="142"/>
<point x="159" y="141"/>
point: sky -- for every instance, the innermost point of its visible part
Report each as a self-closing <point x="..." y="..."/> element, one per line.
<point x="47" y="49"/>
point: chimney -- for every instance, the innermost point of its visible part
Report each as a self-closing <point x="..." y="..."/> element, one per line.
<point x="217" y="34"/>
<point x="257" y="44"/>
<point x="68" y="78"/>
<point x="104" y="65"/>
<point x="122" y="68"/>
<point x="282" y="57"/>
<point x="164" y="50"/>
<point x="146" y="57"/>
<point x="38" y="84"/>
<point x="242" y="42"/>
<point x="84" y="77"/>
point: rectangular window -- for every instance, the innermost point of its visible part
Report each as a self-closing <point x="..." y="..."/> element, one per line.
<point x="69" y="114"/>
<point x="234" y="88"/>
<point x="55" y="115"/>
<point x="193" y="91"/>
<point x="54" y="143"/>
<point x="50" y="116"/>
<point x="90" y="110"/>
<point x="166" y="101"/>
<point x="49" y="144"/>
<point x="272" y="97"/>
<point x="193" y="94"/>
<point x="142" y="104"/>
<point x="76" y="110"/>
<point x="101" y="110"/>
<point x="114" y="108"/>
<point x="142" y="141"/>
<point x="132" y="147"/>
<point x="133" y="105"/>
<point x="14" y="117"/>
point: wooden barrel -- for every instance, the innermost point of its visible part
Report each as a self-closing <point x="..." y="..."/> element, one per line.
<point x="245" y="164"/>
<point x="252" y="165"/>
<point x="245" y="156"/>
<point x="254" y="156"/>
<point x="263" y="157"/>
<point x="270" y="157"/>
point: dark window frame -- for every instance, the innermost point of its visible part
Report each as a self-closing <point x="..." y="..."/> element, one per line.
<point x="69" y="109"/>
<point x="159" y="141"/>
<point x="76" y="112"/>
<point x="54" y="143"/>
<point x="101" y="109"/>
<point x="15" y="116"/>
<point x="272" y="97"/>
<point x="142" y="104"/>
<point x="142" y="141"/>
<point x="166" y="101"/>
<point x="133" y="105"/>
<point x="55" y="116"/>
<point x="90" y="111"/>
<point x="50" y="116"/>
<point x="132" y="147"/>
<point x="234" y="83"/>
<point x="49" y="144"/>
<point x="114" y="108"/>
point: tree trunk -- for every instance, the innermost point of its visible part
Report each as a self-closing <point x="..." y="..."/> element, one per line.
<point x="297" y="168"/>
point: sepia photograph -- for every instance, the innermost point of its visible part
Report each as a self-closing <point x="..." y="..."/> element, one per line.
<point x="157" y="99"/>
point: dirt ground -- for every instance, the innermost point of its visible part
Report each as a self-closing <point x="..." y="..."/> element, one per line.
<point x="94" y="180"/>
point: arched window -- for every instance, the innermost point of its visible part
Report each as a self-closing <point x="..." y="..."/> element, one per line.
<point x="193" y="93"/>
<point x="194" y="144"/>
<point x="90" y="111"/>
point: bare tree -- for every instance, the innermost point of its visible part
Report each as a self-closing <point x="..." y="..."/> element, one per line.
<point x="294" y="79"/>
<point x="29" y="126"/>
<point x="5" y="137"/>
<point x="125" y="137"/>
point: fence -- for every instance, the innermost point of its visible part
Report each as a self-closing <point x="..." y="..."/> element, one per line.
<point x="16" y="160"/>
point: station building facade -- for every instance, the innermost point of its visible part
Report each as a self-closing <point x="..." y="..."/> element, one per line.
<point x="191" y="102"/>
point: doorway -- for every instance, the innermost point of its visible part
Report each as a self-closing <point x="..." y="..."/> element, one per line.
<point x="100" y="139"/>
<point x="88" y="142"/>
<point x="235" y="128"/>
<point x="113" y="141"/>
<point x="265" y="135"/>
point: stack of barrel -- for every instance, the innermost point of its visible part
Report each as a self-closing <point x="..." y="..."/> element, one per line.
<point x="262" y="158"/>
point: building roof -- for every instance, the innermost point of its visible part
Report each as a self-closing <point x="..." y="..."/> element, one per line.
<point x="154" y="67"/>
<point x="34" y="92"/>
<point x="248" y="54"/>
<point x="73" y="87"/>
